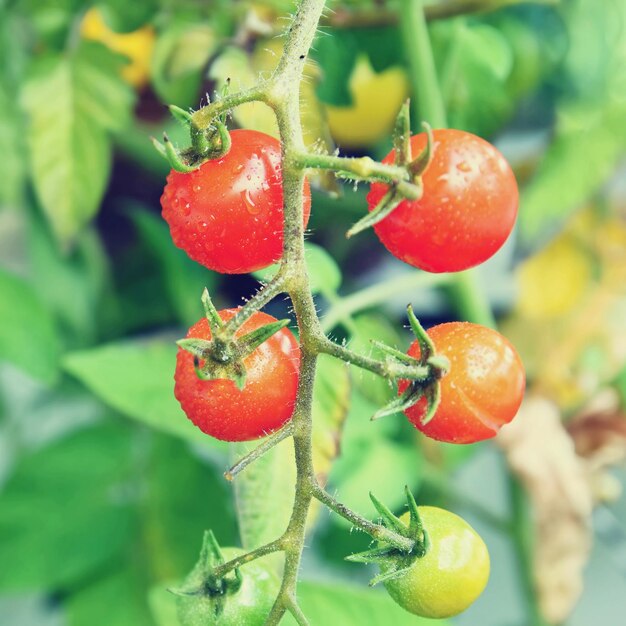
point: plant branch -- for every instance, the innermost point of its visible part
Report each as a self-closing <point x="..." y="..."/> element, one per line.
<point x="376" y="531"/>
<point x="386" y="369"/>
<point x="264" y="295"/>
<point x="379" y="293"/>
<point x="268" y="443"/>
<point x="277" y="545"/>
<point x="361" y="168"/>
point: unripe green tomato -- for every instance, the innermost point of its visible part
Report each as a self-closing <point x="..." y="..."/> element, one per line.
<point x="453" y="572"/>
<point x="248" y="606"/>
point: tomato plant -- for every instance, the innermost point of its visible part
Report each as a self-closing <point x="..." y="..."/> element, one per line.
<point x="228" y="214"/>
<point x="467" y="210"/>
<point x="483" y="389"/>
<point x="267" y="400"/>
<point x="453" y="572"/>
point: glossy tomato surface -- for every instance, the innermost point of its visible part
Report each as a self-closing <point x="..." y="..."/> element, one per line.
<point x="248" y="606"/>
<point x="467" y="210"/>
<point x="482" y="390"/>
<point x="453" y="572"/>
<point x="228" y="214"/>
<point x="266" y="402"/>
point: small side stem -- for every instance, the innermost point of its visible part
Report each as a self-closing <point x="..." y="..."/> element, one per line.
<point x="371" y="296"/>
<point x="427" y="101"/>
<point x="267" y="444"/>
<point x="203" y="117"/>
<point x="361" y="168"/>
<point x="376" y="531"/>
<point x="469" y="299"/>
<point x="386" y="369"/>
<point x="257" y="302"/>
<point x="277" y="545"/>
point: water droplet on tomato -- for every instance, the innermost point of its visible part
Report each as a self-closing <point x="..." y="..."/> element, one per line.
<point x="251" y="207"/>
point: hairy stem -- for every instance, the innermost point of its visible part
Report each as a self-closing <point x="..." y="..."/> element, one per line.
<point x="376" y="531"/>
<point x="362" y="168"/>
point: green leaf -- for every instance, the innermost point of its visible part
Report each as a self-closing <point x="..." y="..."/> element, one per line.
<point x="137" y="379"/>
<point x="184" y="279"/>
<point x="123" y="16"/>
<point x="337" y="55"/>
<point x="474" y="62"/>
<point x="177" y="517"/>
<point x="181" y="52"/>
<point x="116" y="599"/>
<point x="28" y="335"/>
<point x="264" y="495"/>
<point x="348" y="605"/>
<point x="331" y="401"/>
<point x="588" y="144"/>
<point x="73" y="286"/>
<point x="13" y="151"/>
<point x="64" y="511"/>
<point x="366" y="447"/>
<point x="72" y="102"/>
<point x="324" y="273"/>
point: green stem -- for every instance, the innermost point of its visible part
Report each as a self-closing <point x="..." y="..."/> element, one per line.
<point x="377" y="294"/>
<point x="269" y="548"/>
<point x="361" y="168"/>
<point x="376" y="531"/>
<point x="268" y="443"/>
<point x="469" y="299"/>
<point x="427" y="100"/>
<point x="523" y="549"/>
<point x="387" y="369"/>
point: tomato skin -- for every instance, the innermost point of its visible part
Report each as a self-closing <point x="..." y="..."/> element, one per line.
<point x="467" y="210"/>
<point x="228" y="214"/>
<point x="481" y="392"/>
<point x="248" y="606"/>
<point x="453" y="572"/>
<point x="266" y="402"/>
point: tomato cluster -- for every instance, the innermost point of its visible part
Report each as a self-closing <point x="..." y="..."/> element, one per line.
<point x="228" y="216"/>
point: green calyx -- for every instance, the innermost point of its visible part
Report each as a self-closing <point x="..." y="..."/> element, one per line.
<point x="406" y="367"/>
<point x="212" y="142"/>
<point x="415" y="167"/>
<point x="393" y="561"/>
<point x="222" y="356"/>
<point x="202" y="591"/>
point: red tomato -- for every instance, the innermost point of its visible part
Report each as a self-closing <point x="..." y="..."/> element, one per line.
<point x="482" y="390"/>
<point x="266" y="402"/>
<point x="228" y="214"/>
<point x="467" y="210"/>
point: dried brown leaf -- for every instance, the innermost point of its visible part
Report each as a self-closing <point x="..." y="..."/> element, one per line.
<point x="541" y="453"/>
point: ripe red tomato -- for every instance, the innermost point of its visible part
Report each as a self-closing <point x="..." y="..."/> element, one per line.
<point x="481" y="392"/>
<point x="453" y="572"/>
<point x="266" y="402"/>
<point x="467" y="210"/>
<point x="228" y="214"/>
